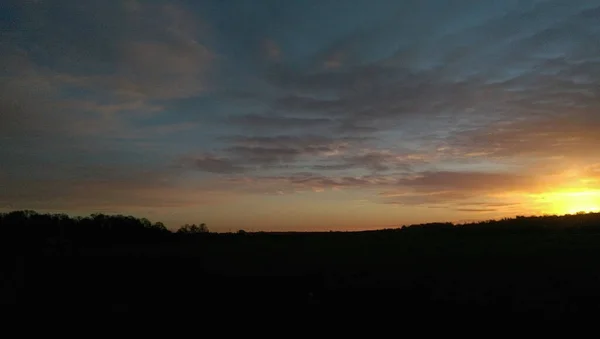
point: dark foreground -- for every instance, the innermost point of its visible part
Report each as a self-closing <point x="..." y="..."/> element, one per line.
<point x="447" y="273"/>
<point x="457" y="275"/>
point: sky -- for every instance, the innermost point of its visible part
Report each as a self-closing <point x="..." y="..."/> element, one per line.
<point x="300" y="115"/>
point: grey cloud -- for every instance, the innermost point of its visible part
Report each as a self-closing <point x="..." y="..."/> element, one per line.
<point x="373" y="109"/>
<point x="455" y="188"/>
<point x="458" y="190"/>
<point x="292" y="141"/>
<point x="477" y="210"/>
<point x="305" y="103"/>
<point x="297" y="182"/>
<point x="283" y="149"/>
<point x="151" y="46"/>
<point x="328" y="182"/>
<point x="64" y="186"/>
<point x="374" y="161"/>
<point x="351" y="127"/>
<point x="151" y="69"/>
<point x="311" y="180"/>
<point x="267" y="155"/>
<point x="335" y="167"/>
<point x="488" y="204"/>
<point x="64" y="84"/>
<point x="426" y="97"/>
<point x="357" y="78"/>
<point x="213" y="164"/>
<point x="415" y="198"/>
<point x="48" y="29"/>
<point x="246" y="153"/>
<point x="571" y="135"/>
<point x="508" y="70"/>
<point x="473" y="182"/>
<point x="276" y="122"/>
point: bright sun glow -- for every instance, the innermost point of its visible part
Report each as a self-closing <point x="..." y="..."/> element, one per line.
<point x="569" y="202"/>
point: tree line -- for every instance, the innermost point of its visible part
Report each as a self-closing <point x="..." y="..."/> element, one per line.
<point x="31" y="226"/>
<point x="579" y="222"/>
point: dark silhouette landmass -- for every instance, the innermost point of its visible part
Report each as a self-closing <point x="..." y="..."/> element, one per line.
<point x="546" y="267"/>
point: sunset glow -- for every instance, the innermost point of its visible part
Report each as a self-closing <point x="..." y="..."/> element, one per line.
<point x="300" y="114"/>
<point x="572" y="202"/>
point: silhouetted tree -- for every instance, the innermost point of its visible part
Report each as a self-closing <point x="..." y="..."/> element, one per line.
<point x="49" y="230"/>
<point x="193" y="229"/>
<point x="159" y="226"/>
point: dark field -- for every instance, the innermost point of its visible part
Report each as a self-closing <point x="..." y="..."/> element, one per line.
<point x="549" y="272"/>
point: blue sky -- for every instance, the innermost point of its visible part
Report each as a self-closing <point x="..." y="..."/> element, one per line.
<point x="296" y="115"/>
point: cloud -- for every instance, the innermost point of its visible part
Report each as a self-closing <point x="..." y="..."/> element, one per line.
<point x="34" y="108"/>
<point x="473" y="182"/>
<point x="286" y="149"/>
<point x="131" y="50"/>
<point x="460" y="190"/>
<point x="171" y="64"/>
<point x="164" y="70"/>
<point x="94" y="75"/>
<point x="422" y="198"/>
<point x="476" y="210"/>
<point x="99" y="188"/>
<point x="298" y="182"/>
<point x="329" y="182"/>
<point x="426" y="97"/>
<point x="489" y="204"/>
<point x="469" y="75"/>
<point x="336" y="81"/>
<point x="212" y="164"/>
<point x="334" y="61"/>
<point x="270" y="155"/>
<point x="372" y="160"/>
<point x="426" y="103"/>
<point x="252" y="153"/>
<point x="277" y="122"/>
<point x="272" y="50"/>
<point x="569" y="135"/>
<point x="378" y="98"/>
